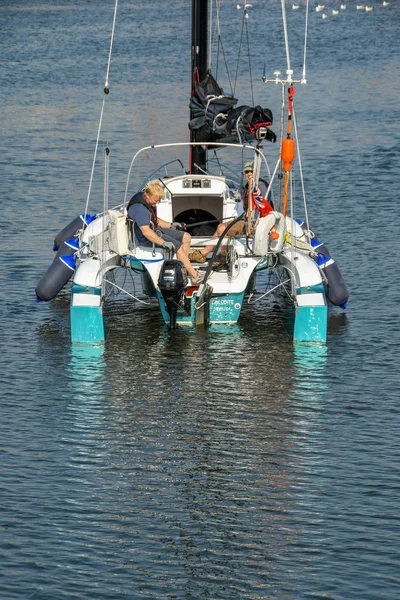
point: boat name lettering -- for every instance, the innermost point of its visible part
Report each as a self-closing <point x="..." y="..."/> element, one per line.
<point x="223" y="302"/>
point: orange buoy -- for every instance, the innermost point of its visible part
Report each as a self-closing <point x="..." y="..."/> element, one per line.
<point x="274" y="235"/>
<point x="288" y="153"/>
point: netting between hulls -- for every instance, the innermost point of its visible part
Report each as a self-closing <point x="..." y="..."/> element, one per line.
<point x="216" y="118"/>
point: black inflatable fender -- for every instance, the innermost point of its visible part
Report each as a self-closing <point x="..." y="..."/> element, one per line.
<point x="59" y="272"/>
<point x="70" y="230"/>
<point x="335" y="287"/>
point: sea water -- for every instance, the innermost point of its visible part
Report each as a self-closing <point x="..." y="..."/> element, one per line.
<point x="219" y="463"/>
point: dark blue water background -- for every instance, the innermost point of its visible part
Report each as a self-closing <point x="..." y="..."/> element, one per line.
<point x="216" y="464"/>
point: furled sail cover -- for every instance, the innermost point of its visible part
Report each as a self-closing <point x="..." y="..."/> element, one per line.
<point x="216" y="118"/>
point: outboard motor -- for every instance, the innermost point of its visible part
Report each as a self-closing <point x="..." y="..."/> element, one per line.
<point x="172" y="282"/>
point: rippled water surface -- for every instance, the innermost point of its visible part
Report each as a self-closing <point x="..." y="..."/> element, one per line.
<point x="223" y="463"/>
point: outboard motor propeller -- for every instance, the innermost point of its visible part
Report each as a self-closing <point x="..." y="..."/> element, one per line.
<point x="172" y="282"/>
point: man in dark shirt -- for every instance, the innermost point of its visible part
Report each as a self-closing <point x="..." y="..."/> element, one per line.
<point x="150" y="229"/>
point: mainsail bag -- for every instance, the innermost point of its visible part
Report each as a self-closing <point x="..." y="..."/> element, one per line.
<point x="215" y="117"/>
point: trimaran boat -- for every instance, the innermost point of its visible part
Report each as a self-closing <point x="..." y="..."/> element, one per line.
<point x="281" y="247"/>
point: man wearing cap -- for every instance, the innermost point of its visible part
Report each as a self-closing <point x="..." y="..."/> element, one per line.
<point x="259" y="202"/>
<point x="259" y="192"/>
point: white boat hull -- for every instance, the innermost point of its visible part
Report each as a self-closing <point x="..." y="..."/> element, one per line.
<point x="279" y="244"/>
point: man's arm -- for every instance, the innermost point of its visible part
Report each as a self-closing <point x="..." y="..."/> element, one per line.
<point x="151" y="235"/>
<point x="162" y="223"/>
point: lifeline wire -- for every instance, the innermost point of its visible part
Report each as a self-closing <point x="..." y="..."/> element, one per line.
<point x="126" y="292"/>
<point x="250" y="301"/>
<point x="106" y="91"/>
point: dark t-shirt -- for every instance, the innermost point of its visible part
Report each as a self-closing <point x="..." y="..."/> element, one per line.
<point x="141" y="215"/>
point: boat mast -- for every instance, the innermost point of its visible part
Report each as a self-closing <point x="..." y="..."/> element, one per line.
<point x="198" y="156"/>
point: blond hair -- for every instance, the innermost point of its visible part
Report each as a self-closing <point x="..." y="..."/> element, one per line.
<point x="154" y="188"/>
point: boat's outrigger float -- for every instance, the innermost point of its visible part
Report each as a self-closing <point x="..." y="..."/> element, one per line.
<point x="92" y="246"/>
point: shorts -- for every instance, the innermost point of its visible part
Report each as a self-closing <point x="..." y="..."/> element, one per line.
<point x="171" y="235"/>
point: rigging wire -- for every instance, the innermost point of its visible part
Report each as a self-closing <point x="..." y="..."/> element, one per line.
<point x="209" y="49"/>
<point x="285" y="33"/>
<point x="281" y="128"/>
<point x="300" y="169"/>
<point x="240" y="46"/>
<point x="289" y="81"/>
<point x="244" y="27"/>
<point x="250" y="74"/>
<point x="220" y="46"/>
<point x="303" y="78"/>
<point x="106" y="91"/>
<point x="105" y="198"/>
<point x="106" y="177"/>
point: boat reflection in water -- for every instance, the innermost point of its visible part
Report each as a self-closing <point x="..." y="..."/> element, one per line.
<point x="189" y="441"/>
<point x="87" y="406"/>
<point x="310" y="361"/>
<point x="87" y="368"/>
